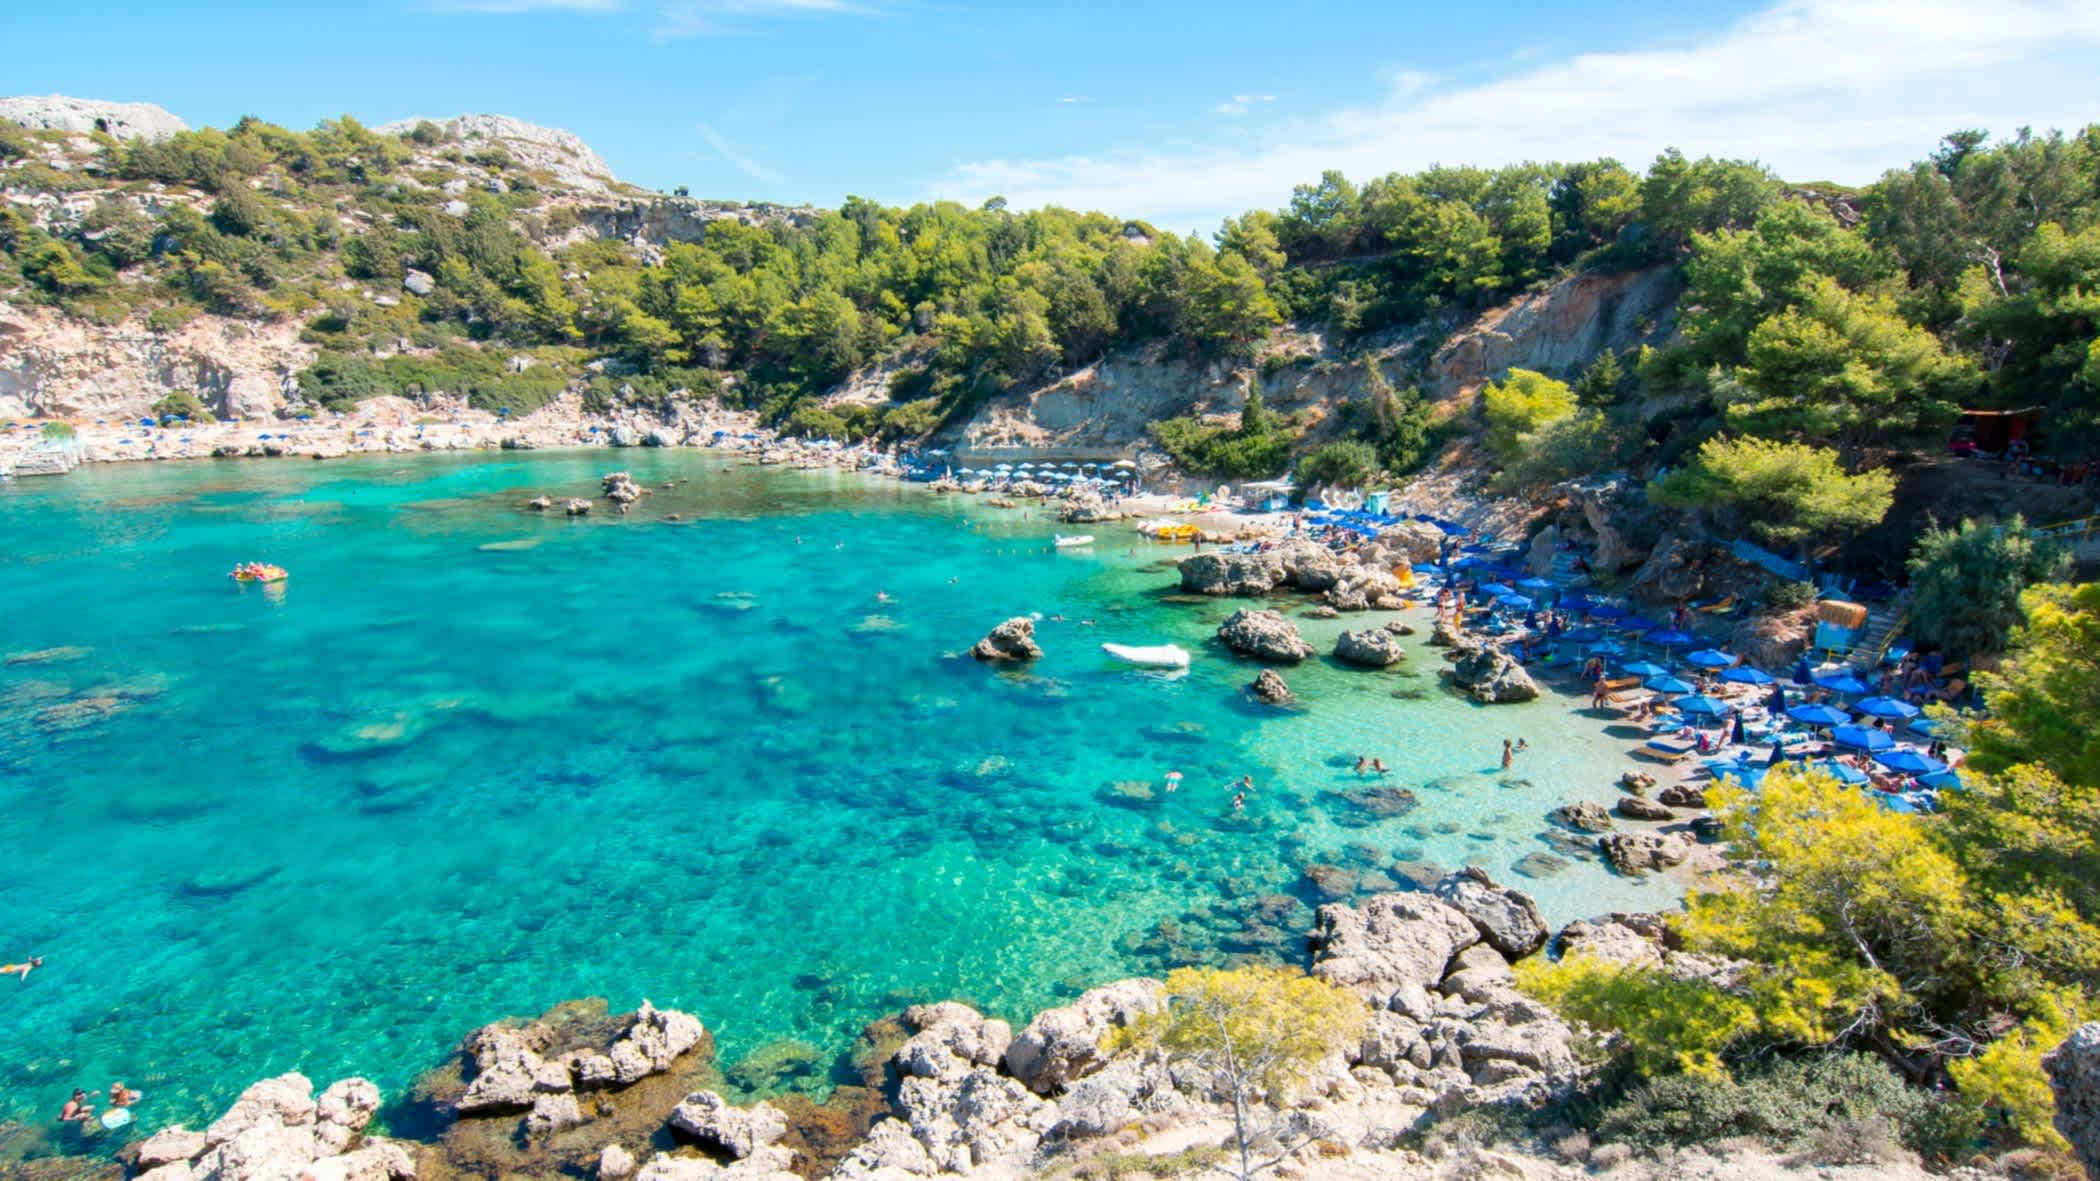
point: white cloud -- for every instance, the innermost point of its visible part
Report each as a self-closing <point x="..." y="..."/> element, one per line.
<point x="735" y="155"/>
<point x="709" y="18"/>
<point x="1239" y="104"/>
<point x="1819" y="89"/>
<point x="1073" y="99"/>
<point x="511" y="7"/>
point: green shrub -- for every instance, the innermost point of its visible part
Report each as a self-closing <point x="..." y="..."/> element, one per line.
<point x="182" y="404"/>
<point x="1789" y="1105"/>
<point x="1521" y="404"/>
<point x="1790" y="596"/>
<point x="58" y="432"/>
<point x="1344" y="463"/>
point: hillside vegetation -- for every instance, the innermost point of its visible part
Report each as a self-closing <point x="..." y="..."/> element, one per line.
<point x="1818" y="319"/>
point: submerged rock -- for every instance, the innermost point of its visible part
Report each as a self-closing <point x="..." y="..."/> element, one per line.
<point x="1582" y="816"/>
<point x="1013" y="640"/>
<point x="1264" y="635"/>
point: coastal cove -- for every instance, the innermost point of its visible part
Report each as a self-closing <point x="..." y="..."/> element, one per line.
<point x="471" y="761"/>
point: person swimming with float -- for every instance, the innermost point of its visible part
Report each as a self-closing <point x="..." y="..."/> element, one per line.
<point x="22" y="969"/>
<point x="77" y="1109"/>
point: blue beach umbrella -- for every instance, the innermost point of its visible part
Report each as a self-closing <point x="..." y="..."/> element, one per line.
<point x="1535" y="584"/>
<point x="1608" y="648"/>
<point x="1666" y="684"/>
<point x="1607" y="611"/>
<point x="1949" y="780"/>
<point x="1669" y="638"/>
<point x="1909" y="762"/>
<point x="1842" y="682"/>
<point x="1634" y="623"/>
<point x="1710" y="658"/>
<point x="1818" y="714"/>
<point x="1584" y="635"/>
<point x="1515" y="602"/>
<point x="1862" y="738"/>
<point x="1426" y="568"/>
<point x="1645" y="668"/>
<point x="1743" y="674"/>
<point x="1495" y="588"/>
<point x="1744" y="775"/>
<point x="1577" y="602"/>
<point x="1700" y="705"/>
<point x="1847" y="775"/>
<point x="1885" y="707"/>
<point x="1929" y="727"/>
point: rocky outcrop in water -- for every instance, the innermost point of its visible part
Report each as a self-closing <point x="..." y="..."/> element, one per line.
<point x="1490" y="674"/>
<point x="1264" y="635"/>
<point x="278" y="1130"/>
<point x="1013" y="640"/>
<point x="1269" y="689"/>
<point x="1370" y="648"/>
<point x="1507" y="919"/>
<point x="742" y="1132"/>
<point x="1583" y="816"/>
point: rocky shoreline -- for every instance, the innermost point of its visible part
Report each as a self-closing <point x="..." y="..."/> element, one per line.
<point x="940" y="1090"/>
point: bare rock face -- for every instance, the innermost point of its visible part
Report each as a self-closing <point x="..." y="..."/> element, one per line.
<point x="84" y="115"/>
<point x="1635" y="853"/>
<point x="1269" y="689"/>
<point x="653" y="1043"/>
<point x="1264" y="635"/>
<point x="569" y="158"/>
<point x="2074" y="1074"/>
<point x="1775" y="639"/>
<point x="1507" y="919"/>
<point x="1013" y="640"/>
<point x="1413" y="541"/>
<point x="1556" y="330"/>
<point x="1370" y="648"/>
<point x="277" y="1130"/>
<point x="1062" y="1045"/>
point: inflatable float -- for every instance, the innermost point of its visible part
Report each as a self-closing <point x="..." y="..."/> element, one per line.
<point x="1064" y="542"/>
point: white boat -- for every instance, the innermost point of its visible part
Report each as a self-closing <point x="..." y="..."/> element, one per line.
<point x="1064" y="542"/>
<point x="1155" y="656"/>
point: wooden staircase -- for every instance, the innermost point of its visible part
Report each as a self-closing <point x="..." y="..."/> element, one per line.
<point x="1885" y="623"/>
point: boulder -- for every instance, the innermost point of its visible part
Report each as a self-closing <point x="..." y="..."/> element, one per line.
<point x="1308" y="565"/>
<point x="1012" y="640"/>
<point x="1231" y="574"/>
<point x="1538" y="557"/>
<point x="1413" y="541"/>
<point x="1643" y="808"/>
<point x="1683" y="795"/>
<point x="577" y="506"/>
<point x="1675" y="572"/>
<point x="1491" y="675"/>
<point x="2074" y="1074"/>
<point x="1086" y="509"/>
<point x="1635" y="853"/>
<point x="1443" y="635"/>
<point x="540" y="504"/>
<point x="1582" y="816"/>
<point x="1508" y="920"/>
<point x="615" y="1163"/>
<point x="949" y="1039"/>
<point x="660" y="437"/>
<point x="1774" y="639"/>
<point x="889" y="1152"/>
<point x="1063" y="1045"/>
<point x="1637" y="782"/>
<point x="738" y="1131"/>
<point x="380" y="1161"/>
<point x="1268" y="687"/>
<point x="965" y="1124"/>
<point x="653" y="1042"/>
<point x="1264" y="635"/>
<point x="624" y="436"/>
<point x="1371" y="648"/>
<point x="343" y="1110"/>
<point x="1387" y="941"/>
<point x="552" y="1113"/>
<point x="168" y="1146"/>
<point x="620" y="487"/>
<point x="1129" y="1088"/>
<point x="418" y="282"/>
<point x="285" y="1101"/>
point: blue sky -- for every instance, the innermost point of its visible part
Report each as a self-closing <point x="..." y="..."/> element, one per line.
<point x="1177" y="112"/>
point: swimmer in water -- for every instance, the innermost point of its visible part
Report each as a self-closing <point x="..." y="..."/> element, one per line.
<point x="22" y="969"/>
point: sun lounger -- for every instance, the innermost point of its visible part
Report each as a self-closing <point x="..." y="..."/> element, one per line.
<point x="1668" y="750"/>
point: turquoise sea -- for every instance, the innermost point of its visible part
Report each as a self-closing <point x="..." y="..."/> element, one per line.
<point x="472" y="761"/>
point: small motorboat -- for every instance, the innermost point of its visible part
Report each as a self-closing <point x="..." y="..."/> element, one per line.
<point x="259" y="572"/>
<point x="1064" y="542"/>
<point x="1154" y="656"/>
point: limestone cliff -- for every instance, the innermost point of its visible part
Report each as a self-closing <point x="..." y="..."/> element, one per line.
<point x="52" y="366"/>
<point x="81" y="116"/>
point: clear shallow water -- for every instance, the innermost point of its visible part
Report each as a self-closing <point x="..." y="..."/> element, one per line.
<point x="432" y="783"/>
